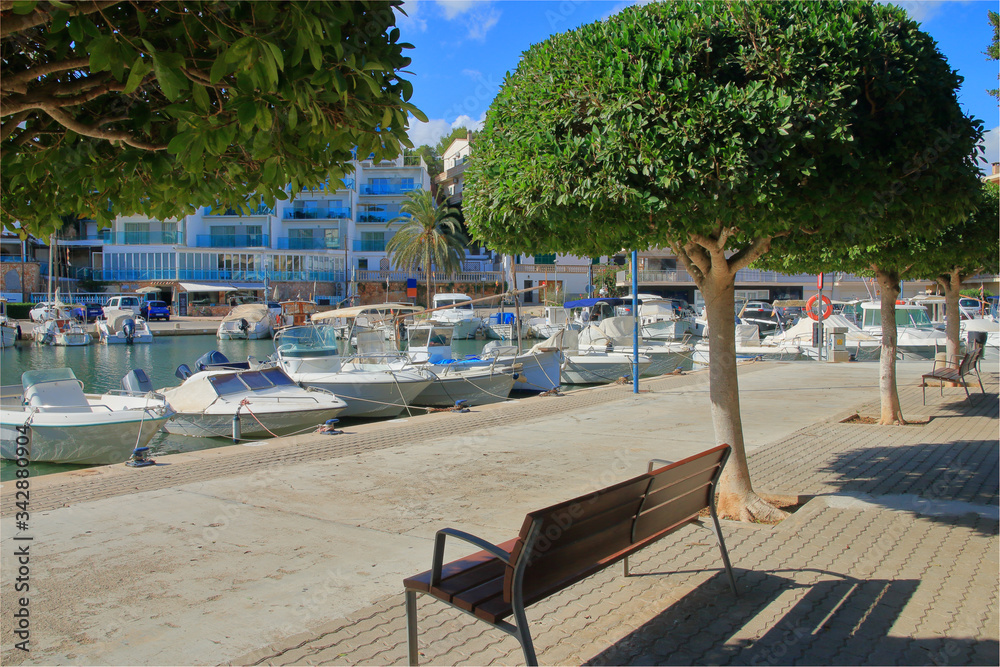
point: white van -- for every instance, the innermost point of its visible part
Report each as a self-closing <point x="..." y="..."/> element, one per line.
<point x="126" y="302"/>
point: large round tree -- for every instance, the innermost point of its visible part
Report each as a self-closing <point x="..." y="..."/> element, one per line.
<point x="122" y="107"/>
<point x="713" y="128"/>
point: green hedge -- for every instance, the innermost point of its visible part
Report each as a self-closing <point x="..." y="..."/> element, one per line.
<point x="19" y="311"/>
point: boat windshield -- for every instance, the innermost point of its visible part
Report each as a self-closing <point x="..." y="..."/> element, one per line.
<point x="30" y="378"/>
<point x="905" y="317"/>
<point x="427" y="337"/>
<point x="237" y="383"/>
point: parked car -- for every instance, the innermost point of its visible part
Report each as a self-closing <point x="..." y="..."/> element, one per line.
<point x="94" y="311"/>
<point x="155" y="310"/>
<point x="125" y="302"/>
<point x="40" y="311"/>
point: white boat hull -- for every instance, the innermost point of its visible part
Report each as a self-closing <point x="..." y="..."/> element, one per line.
<point x="256" y="332"/>
<point x="599" y="367"/>
<point x="8" y="335"/>
<point x="477" y="388"/>
<point x="221" y="425"/>
<point x="369" y="394"/>
<point x="61" y="438"/>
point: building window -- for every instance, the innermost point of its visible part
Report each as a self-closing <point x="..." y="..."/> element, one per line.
<point x="406" y="184"/>
<point x="137" y="233"/>
<point x="362" y="263"/>
<point x="169" y="232"/>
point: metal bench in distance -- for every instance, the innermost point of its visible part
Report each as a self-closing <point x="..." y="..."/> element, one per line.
<point x="565" y="543"/>
<point x="949" y="372"/>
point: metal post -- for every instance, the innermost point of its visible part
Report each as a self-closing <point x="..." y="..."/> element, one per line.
<point x="635" y="322"/>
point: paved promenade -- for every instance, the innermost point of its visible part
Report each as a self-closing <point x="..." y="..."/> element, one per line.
<point x="293" y="552"/>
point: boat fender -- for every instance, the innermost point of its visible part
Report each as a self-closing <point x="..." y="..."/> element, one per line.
<point x="237" y="428"/>
<point x="460" y="405"/>
<point x="827" y="308"/>
<point x="140" y="458"/>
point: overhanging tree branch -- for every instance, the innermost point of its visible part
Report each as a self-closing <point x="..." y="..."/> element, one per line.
<point x="15" y="24"/>
<point x="18" y="81"/>
<point x="71" y="123"/>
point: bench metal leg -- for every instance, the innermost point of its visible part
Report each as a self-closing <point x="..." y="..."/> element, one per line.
<point x="722" y="548"/>
<point x="523" y="635"/>
<point x="411" y="628"/>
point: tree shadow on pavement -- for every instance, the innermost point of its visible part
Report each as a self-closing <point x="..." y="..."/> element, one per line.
<point x="810" y="617"/>
<point x="938" y="481"/>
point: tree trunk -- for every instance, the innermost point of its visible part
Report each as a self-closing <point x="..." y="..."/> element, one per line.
<point x="888" y="282"/>
<point x="427" y="275"/>
<point x="952" y="288"/>
<point x="737" y="499"/>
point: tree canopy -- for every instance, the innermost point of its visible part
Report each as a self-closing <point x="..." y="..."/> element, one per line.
<point x="713" y="128"/>
<point x="130" y="107"/>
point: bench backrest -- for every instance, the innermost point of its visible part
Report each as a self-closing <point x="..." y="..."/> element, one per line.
<point x="567" y="542"/>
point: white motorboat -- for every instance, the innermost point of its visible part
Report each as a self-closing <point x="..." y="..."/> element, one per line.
<point x="599" y="366"/>
<point x="861" y="346"/>
<point x="238" y="402"/>
<point x="460" y="315"/>
<point x="370" y="386"/>
<point x="247" y="321"/>
<point x="122" y="327"/>
<point x="554" y="320"/>
<point x="61" y="331"/>
<point x="8" y="328"/>
<point x="916" y="335"/>
<point x="62" y="424"/>
<point x="536" y="370"/>
<point x="749" y="347"/>
<point x="476" y="385"/>
<point x="382" y="317"/>
<point x="616" y="334"/>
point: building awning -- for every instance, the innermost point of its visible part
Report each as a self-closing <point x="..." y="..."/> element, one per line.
<point x="219" y="287"/>
<point x="207" y="287"/>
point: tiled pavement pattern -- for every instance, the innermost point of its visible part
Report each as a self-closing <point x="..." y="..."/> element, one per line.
<point x="897" y="565"/>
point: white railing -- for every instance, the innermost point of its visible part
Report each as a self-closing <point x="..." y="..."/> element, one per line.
<point x="366" y="276"/>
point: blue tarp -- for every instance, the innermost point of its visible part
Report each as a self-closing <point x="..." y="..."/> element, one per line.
<point x="590" y="303"/>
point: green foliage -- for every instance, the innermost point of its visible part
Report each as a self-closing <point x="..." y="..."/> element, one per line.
<point x="975" y="293"/>
<point x="19" y="311"/>
<point x="457" y="133"/>
<point x="735" y="121"/>
<point x="128" y="107"/>
<point x="430" y="237"/>
<point x="607" y="276"/>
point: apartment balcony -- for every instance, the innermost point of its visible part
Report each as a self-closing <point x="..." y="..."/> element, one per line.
<point x="371" y="275"/>
<point x="232" y="212"/>
<point x="143" y="238"/>
<point x="401" y="161"/>
<point x="379" y="216"/>
<point x="743" y="277"/>
<point x="317" y="214"/>
<point x="369" y="246"/>
<point x="290" y="243"/>
<point x="388" y="189"/>
<point x="233" y="241"/>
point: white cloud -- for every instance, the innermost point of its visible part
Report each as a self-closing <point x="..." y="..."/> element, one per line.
<point x="428" y="133"/>
<point x="918" y="10"/>
<point x="481" y="22"/>
<point x="991" y="142"/>
<point x="469" y="122"/>
<point x="412" y="20"/>
<point x="431" y="132"/>
<point x="453" y="8"/>
<point x="472" y="73"/>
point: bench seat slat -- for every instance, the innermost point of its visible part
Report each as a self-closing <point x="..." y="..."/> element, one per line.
<point x="458" y="584"/>
<point x="481" y="596"/>
<point x="422" y="581"/>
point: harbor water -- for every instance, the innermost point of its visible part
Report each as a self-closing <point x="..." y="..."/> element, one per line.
<point x="101" y="368"/>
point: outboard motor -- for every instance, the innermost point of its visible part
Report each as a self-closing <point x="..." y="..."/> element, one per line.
<point x="244" y="326"/>
<point x="128" y="330"/>
<point x="213" y="358"/>
<point x="137" y="382"/>
<point x="183" y="372"/>
<point x="975" y="338"/>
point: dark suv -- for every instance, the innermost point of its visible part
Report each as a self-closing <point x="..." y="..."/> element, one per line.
<point x="155" y="310"/>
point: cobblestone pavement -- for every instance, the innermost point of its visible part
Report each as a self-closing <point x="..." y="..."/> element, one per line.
<point x="894" y="561"/>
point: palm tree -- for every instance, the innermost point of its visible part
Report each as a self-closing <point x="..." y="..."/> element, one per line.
<point x="430" y="237"/>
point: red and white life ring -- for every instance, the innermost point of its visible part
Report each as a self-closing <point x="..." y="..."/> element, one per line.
<point x="827" y="310"/>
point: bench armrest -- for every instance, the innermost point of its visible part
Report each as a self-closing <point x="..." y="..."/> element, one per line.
<point x="946" y="363"/>
<point x="661" y="462"/>
<point x="444" y="533"/>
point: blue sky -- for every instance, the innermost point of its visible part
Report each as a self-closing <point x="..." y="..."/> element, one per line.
<point x="463" y="49"/>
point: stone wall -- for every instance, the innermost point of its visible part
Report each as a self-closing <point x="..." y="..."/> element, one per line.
<point x="11" y="277"/>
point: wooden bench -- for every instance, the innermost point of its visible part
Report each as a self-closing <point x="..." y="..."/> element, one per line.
<point x="949" y="372"/>
<point x="565" y="543"/>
